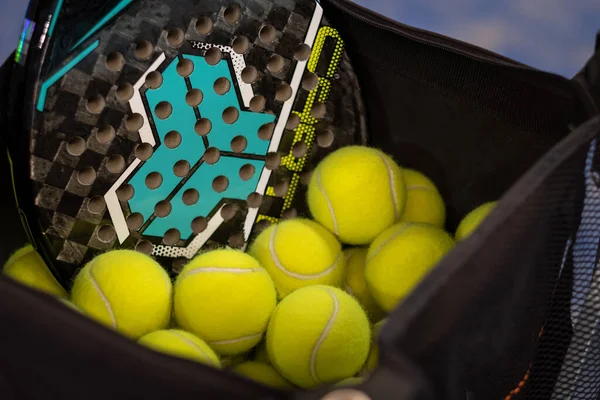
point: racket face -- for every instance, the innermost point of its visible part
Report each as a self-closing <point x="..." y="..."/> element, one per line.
<point x="172" y="127"/>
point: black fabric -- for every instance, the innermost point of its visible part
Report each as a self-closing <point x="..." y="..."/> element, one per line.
<point x="482" y="127"/>
<point x="14" y="237"/>
<point x="48" y="351"/>
<point x="589" y="80"/>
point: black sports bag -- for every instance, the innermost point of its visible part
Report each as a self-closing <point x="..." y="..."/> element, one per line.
<point x="512" y="313"/>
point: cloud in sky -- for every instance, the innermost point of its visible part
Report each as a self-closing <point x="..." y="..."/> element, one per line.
<point x="554" y="35"/>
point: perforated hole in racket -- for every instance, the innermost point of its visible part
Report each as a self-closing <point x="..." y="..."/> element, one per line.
<point x="175" y="37"/>
<point x="105" y="134"/>
<point x="267" y="33"/>
<point x="115" y="61"/>
<point x="76" y="146"/>
<point x="204" y="26"/>
<point x="143" y="50"/>
<point x="96" y="205"/>
<point x="154" y="80"/>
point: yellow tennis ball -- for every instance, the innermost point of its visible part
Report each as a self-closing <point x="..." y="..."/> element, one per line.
<point x="473" y="219"/>
<point x="373" y="358"/>
<point x="226" y="298"/>
<point x="400" y="257"/>
<point x="318" y="334"/>
<point x="27" y="267"/>
<point x="353" y="381"/>
<point x="357" y="192"/>
<point x="70" y="305"/>
<point x="263" y="373"/>
<point x="125" y="290"/>
<point x="182" y="344"/>
<point x="260" y="353"/>
<point x="297" y="253"/>
<point x="423" y="201"/>
<point x="356" y="285"/>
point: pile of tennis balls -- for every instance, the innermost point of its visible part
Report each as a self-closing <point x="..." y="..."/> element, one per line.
<point x="304" y="305"/>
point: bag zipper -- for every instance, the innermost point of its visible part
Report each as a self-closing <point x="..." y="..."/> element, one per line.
<point x="374" y="19"/>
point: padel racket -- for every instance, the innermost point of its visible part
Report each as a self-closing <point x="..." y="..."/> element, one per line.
<point x="172" y="126"/>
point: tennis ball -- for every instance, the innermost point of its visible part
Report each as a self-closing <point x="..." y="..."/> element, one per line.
<point x="356" y="285"/>
<point x="226" y="298"/>
<point x="355" y="380"/>
<point x="423" y="201"/>
<point x="125" y="290"/>
<point x="400" y="257"/>
<point x="318" y="334"/>
<point x="297" y="253"/>
<point x="70" y="305"/>
<point x="263" y="373"/>
<point x="182" y="344"/>
<point x="473" y="219"/>
<point x="27" y="267"/>
<point x="260" y="353"/>
<point x="357" y="192"/>
<point x="373" y="358"/>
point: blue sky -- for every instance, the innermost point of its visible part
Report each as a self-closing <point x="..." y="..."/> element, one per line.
<point x="554" y="35"/>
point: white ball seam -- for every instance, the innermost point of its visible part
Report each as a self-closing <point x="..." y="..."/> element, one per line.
<point x="328" y="201"/>
<point x="102" y="296"/>
<point x="236" y="340"/>
<point x="193" y="345"/>
<point x="394" y="236"/>
<point x="296" y="275"/>
<point x="392" y="186"/>
<point x="313" y="356"/>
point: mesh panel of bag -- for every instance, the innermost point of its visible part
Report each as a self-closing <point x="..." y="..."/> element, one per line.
<point x="579" y="374"/>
